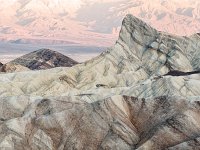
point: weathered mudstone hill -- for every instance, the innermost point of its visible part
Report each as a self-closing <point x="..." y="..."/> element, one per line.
<point x="143" y="93"/>
<point x="44" y="59"/>
<point x="11" y="67"/>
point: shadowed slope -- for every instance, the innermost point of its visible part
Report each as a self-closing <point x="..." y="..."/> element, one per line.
<point x="44" y="59"/>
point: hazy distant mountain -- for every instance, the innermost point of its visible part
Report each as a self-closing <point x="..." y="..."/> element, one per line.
<point x="41" y="41"/>
<point x="44" y="59"/>
<point x="92" y="22"/>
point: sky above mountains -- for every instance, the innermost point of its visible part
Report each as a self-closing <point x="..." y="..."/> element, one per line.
<point x="91" y="22"/>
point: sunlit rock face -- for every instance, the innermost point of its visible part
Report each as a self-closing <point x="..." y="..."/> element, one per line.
<point x="143" y="93"/>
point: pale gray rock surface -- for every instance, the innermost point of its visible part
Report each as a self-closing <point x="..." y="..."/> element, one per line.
<point x="11" y="67"/>
<point x="143" y="93"/>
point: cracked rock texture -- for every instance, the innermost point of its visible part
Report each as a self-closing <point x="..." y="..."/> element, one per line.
<point x="143" y="93"/>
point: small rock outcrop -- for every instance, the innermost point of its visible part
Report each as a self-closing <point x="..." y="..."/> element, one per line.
<point x="11" y="67"/>
<point x="44" y="59"/>
<point x="141" y="94"/>
<point x="0" y="66"/>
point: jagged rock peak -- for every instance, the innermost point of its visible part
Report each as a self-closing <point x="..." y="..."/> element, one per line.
<point x="44" y="59"/>
<point x="134" y="22"/>
<point x="144" y="42"/>
<point x="133" y="25"/>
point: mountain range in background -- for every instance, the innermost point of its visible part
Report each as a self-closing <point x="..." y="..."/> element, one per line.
<point x="91" y="22"/>
<point x="84" y="28"/>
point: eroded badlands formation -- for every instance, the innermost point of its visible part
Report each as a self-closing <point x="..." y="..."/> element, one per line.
<point x="143" y="93"/>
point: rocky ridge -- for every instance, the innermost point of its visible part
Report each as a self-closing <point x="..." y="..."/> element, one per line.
<point x="127" y="98"/>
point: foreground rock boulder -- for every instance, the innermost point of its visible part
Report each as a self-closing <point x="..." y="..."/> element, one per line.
<point x="143" y="93"/>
